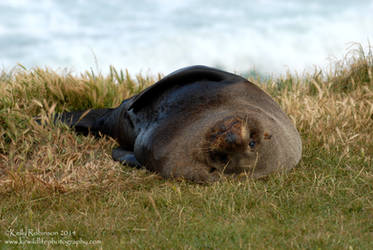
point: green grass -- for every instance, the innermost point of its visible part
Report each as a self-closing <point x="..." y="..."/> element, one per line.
<point x="53" y="180"/>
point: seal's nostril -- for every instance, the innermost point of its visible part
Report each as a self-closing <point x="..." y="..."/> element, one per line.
<point x="231" y="138"/>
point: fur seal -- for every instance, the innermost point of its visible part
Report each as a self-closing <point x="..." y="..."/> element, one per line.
<point x="197" y="123"/>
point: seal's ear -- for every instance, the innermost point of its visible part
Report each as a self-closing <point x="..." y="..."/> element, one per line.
<point x="84" y="121"/>
<point x="267" y="136"/>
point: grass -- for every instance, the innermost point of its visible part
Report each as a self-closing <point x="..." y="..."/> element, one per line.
<point x="52" y="180"/>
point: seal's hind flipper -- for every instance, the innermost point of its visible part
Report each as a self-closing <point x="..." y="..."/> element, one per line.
<point x="89" y="121"/>
<point x="125" y="157"/>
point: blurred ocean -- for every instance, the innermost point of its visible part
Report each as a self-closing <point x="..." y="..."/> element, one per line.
<point x="152" y="36"/>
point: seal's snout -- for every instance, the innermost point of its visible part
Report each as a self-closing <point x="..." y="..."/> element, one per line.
<point x="226" y="135"/>
<point x="236" y="144"/>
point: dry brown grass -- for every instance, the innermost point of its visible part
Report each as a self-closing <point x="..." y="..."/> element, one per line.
<point x="332" y="116"/>
<point x="335" y="108"/>
<point x="51" y="156"/>
<point x="336" y="120"/>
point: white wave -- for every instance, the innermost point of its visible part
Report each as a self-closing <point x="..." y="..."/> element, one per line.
<point x="163" y="35"/>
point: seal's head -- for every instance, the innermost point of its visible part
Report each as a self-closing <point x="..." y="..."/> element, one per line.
<point x="235" y="145"/>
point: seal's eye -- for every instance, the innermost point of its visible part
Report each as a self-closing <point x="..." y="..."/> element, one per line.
<point x="252" y="144"/>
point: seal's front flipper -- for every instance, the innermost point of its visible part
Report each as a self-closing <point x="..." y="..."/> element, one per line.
<point x="125" y="157"/>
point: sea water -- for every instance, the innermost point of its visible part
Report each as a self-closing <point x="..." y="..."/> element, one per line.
<point x="154" y="36"/>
